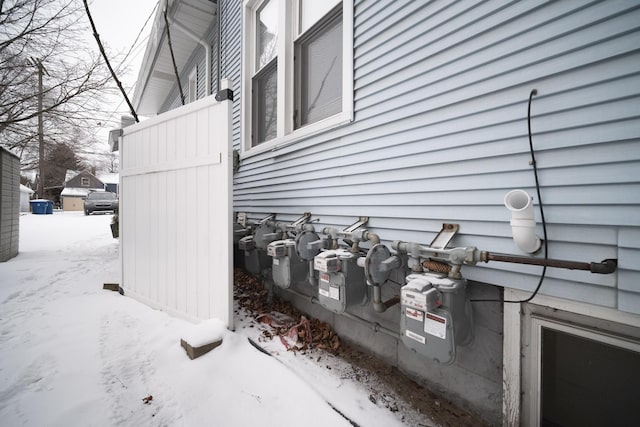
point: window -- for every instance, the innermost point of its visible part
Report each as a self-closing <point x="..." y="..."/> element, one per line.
<point x="318" y="82"/>
<point x="297" y="69"/>
<point x="264" y="84"/>
<point x="558" y="357"/>
<point x="573" y="365"/>
<point x="85" y="182"/>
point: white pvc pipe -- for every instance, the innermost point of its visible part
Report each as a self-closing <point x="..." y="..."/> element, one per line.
<point x="523" y="224"/>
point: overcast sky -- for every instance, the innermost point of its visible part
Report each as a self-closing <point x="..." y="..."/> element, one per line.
<point x="118" y="23"/>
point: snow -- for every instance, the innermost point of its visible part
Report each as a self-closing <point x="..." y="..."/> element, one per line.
<point x="205" y="333"/>
<point x="74" y="191"/>
<point x="73" y="354"/>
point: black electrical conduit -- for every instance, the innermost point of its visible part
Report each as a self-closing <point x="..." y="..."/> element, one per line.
<point x="173" y="59"/>
<point x="541" y="206"/>
<point x="104" y="55"/>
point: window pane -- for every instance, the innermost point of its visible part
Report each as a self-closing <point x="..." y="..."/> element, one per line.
<point x="266" y="33"/>
<point x="312" y="10"/>
<point x="320" y="73"/>
<point x="576" y="370"/>
<point x="265" y="93"/>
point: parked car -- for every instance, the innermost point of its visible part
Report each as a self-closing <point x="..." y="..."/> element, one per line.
<point x="100" y="201"/>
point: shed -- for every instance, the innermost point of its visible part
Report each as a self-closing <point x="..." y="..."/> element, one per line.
<point x="9" y="204"/>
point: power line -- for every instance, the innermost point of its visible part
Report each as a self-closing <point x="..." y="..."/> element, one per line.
<point x="122" y="63"/>
<point x="139" y="34"/>
<point x="104" y="55"/>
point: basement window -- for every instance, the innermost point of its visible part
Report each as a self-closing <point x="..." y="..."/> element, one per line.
<point x="297" y="70"/>
<point x="570" y="367"/>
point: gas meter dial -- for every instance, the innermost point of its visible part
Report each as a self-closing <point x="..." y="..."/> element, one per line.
<point x="304" y="238"/>
<point x="374" y="271"/>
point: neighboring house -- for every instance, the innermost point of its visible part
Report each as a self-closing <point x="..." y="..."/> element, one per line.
<point x="9" y="204"/>
<point x="76" y="187"/>
<point x="110" y="181"/>
<point x="25" y="197"/>
<point x="415" y="114"/>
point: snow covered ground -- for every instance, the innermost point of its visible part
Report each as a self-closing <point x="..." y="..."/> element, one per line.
<point x="73" y="354"/>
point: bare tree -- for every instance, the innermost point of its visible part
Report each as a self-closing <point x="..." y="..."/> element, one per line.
<point x="47" y="32"/>
<point x="111" y="163"/>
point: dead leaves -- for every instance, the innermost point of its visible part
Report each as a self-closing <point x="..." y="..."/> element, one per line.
<point x="280" y="315"/>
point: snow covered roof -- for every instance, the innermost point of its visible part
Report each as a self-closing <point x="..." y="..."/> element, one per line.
<point x="109" y="178"/>
<point x="75" y="192"/>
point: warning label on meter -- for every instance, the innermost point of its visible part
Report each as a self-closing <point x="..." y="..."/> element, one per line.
<point x="435" y="325"/>
<point x="414" y="314"/>
<point x="334" y="291"/>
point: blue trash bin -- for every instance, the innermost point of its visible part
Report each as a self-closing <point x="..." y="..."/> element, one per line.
<point x="38" y="206"/>
<point x="41" y="206"/>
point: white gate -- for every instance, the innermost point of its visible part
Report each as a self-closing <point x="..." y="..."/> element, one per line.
<point x="176" y="211"/>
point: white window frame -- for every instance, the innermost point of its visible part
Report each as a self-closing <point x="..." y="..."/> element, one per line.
<point x="514" y="322"/>
<point x="537" y="325"/>
<point x="286" y="134"/>
<point x="84" y="180"/>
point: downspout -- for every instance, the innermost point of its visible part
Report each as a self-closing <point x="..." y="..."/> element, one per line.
<point x="203" y="43"/>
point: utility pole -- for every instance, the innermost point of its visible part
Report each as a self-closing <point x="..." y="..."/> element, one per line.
<point x="40" y="133"/>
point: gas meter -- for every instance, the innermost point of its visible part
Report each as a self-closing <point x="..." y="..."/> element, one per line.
<point x="435" y="315"/>
<point x="341" y="281"/>
<point x="254" y="246"/>
<point x="287" y="267"/>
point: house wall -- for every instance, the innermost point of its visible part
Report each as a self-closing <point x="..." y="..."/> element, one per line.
<point x="440" y="135"/>
<point x="76" y="181"/>
<point x="230" y="57"/>
<point x="9" y="205"/>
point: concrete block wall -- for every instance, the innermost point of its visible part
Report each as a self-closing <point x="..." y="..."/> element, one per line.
<point x="473" y="381"/>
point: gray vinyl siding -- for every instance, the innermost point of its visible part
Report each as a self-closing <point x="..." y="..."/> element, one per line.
<point x="440" y="135"/>
<point x="231" y="55"/>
